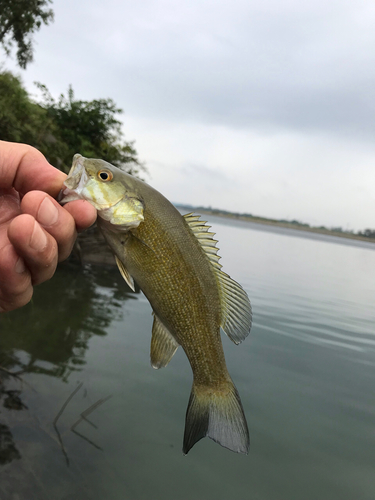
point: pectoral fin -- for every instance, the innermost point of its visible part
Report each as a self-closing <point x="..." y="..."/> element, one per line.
<point x="163" y="344"/>
<point x="125" y="273"/>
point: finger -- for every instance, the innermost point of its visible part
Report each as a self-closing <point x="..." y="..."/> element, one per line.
<point x="83" y="213"/>
<point x="36" y="246"/>
<point x="25" y="168"/>
<point x="53" y="218"/>
<point x="15" y="281"/>
<point x="9" y="205"/>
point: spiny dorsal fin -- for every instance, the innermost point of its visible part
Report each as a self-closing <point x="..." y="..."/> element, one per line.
<point x="125" y="273"/>
<point x="235" y="304"/>
<point x="163" y="344"/>
<point x="205" y="238"/>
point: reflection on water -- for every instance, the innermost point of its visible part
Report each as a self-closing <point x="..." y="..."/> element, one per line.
<point x="50" y="336"/>
<point x="8" y="450"/>
<point x="83" y="415"/>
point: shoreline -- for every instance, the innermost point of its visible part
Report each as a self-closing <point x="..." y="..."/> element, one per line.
<point x="274" y="223"/>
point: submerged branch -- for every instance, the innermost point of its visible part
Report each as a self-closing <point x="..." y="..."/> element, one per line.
<point x="66" y="403"/>
<point x="90" y="409"/>
<point x="83" y="416"/>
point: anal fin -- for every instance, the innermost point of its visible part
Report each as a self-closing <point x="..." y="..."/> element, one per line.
<point x="163" y="344"/>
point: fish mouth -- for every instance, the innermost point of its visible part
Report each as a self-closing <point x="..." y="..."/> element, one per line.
<point x="75" y="182"/>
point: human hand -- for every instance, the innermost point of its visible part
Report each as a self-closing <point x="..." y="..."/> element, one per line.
<point x="35" y="231"/>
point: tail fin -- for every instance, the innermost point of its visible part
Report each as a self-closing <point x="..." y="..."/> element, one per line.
<point x="218" y="415"/>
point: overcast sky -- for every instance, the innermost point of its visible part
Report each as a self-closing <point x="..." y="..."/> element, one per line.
<point x="261" y="107"/>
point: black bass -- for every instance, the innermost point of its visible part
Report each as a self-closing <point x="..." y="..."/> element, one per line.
<point x="174" y="260"/>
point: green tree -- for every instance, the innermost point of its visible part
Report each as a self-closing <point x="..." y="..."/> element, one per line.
<point x="21" y="120"/>
<point x="19" y="20"/>
<point x="368" y="233"/>
<point x="61" y="128"/>
<point x="90" y="128"/>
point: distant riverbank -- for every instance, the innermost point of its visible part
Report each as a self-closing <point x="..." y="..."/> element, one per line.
<point x="271" y="222"/>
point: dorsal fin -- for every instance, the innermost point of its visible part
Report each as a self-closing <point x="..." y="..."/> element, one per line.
<point x="235" y="304"/>
<point x="236" y="312"/>
<point x="200" y="230"/>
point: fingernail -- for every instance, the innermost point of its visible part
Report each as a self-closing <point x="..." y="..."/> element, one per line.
<point x="47" y="213"/>
<point x="20" y="266"/>
<point x="38" y="240"/>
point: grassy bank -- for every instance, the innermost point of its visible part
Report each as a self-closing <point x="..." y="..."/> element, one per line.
<point x="298" y="226"/>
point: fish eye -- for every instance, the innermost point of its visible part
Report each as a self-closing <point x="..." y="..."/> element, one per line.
<point x="105" y="175"/>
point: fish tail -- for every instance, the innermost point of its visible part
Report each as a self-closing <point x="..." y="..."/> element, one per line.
<point x="217" y="414"/>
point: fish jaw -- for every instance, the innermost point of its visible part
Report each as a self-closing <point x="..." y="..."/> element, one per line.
<point x="82" y="184"/>
<point x="75" y="183"/>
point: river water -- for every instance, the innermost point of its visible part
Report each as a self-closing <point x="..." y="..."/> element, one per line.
<point x="90" y="419"/>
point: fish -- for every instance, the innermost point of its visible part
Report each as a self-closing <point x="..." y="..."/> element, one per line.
<point x="173" y="258"/>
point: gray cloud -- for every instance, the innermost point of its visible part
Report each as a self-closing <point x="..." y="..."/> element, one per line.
<point x="300" y="67"/>
<point x="244" y="64"/>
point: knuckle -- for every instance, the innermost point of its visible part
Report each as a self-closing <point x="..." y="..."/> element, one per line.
<point x="63" y="231"/>
<point x="46" y="266"/>
<point x="66" y="249"/>
<point x="17" y="299"/>
<point x="67" y="228"/>
<point x="15" y="287"/>
<point x="51" y="253"/>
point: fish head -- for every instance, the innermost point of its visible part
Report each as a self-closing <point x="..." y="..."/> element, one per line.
<point x="107" y="188"/>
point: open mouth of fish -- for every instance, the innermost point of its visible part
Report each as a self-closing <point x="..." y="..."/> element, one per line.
<point x="75" y="182"/>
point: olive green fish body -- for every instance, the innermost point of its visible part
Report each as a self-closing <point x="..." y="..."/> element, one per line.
<point x="172" y="270"/>
<point x="173" y="260"/>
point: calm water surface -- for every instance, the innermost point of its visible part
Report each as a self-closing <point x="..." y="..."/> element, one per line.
<point x="306" y="378"/>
